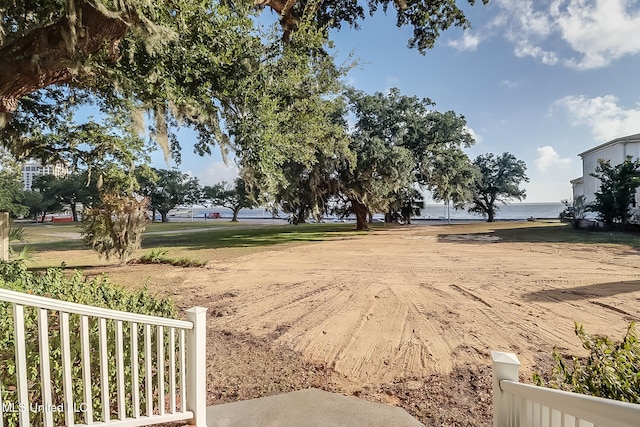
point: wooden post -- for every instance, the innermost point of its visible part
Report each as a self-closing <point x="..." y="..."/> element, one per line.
<point x="4" y="236"/>
<point x="197" y="366"/>
<point x="505" y="367"/>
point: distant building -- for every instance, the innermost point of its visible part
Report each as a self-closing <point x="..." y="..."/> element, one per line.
<point x="616" y="152"/>
<point x="33" y="168"/>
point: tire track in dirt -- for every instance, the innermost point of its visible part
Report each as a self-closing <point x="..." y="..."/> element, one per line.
<point x="391" y="305"/>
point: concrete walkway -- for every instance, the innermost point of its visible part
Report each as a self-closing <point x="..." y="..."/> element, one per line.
<point x="308" y="408"/>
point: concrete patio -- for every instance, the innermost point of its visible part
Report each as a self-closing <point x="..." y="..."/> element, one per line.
<point x="311" y="407"/>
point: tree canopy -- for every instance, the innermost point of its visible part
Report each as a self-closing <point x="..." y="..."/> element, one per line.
<point x="397" y="139"/>
<point x="175" y="59"/>
<point x="49" y="200"/>
<point x="380" y="171"/>
<point x="499" y="180"/>
<point x="166" y="189"/>
<point x="451" y="177"/>
<point x="233" y="196"/>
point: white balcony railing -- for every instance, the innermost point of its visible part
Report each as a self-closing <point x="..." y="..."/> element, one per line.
<point x="523" y="405"/>
<point x="105" y="378"/>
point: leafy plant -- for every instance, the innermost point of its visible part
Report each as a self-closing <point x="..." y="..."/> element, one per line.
<point x="99" y="292"/>
<point x="115" y="225"/>
<point x="157" y="256"/>
<point x="618" y="186"/>
<point x="612" y="369"/>
<point x="16" y="233"/>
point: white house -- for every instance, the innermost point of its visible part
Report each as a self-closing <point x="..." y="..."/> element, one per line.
<point x="616" y="152"/>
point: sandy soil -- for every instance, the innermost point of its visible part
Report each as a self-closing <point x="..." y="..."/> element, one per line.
<point x="406" y="316"/>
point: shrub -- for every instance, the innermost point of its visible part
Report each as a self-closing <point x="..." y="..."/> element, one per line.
<point x="158" y="256"/>
<point x="612" y="369"/>
<point x="115" y="225"/>
<point x="155" y="256"/>
<point x="100" y="292"/>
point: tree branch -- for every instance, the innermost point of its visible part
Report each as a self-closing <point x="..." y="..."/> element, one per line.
<point x="46" y="56"/>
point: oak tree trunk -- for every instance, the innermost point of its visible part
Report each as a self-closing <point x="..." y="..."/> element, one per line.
<point x="236" y="210"/>
<point x="360" y="211"/>
<point x="490" y="214"/>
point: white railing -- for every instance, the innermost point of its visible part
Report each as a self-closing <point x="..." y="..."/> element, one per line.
<point x="523" y="405"/>
<point x="85" y="372"/>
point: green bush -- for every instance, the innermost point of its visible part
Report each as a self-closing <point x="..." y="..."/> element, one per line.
<point x="99" y="292"/>
<point x="157" y="256"/>
<point x="114" y="226"/>
<point x="612" y="369"/>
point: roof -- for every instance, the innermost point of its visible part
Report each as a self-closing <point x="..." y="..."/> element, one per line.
<point x="624" y="139"/>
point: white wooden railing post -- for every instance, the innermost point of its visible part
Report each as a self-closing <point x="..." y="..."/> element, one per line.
<point x="505" y="367"/>
<point x="197" y="366"/>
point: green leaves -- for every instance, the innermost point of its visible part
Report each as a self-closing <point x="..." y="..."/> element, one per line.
<point x="167" y="188"/>
<point x="234" y="197"/>
<point x="114" y="226"/>
<point x="58" y="284"/>
<point x="612" y="369"/>
<point x="499" y="181"/>
<point x="617" y="191"/>
<point x="451" y="177"/>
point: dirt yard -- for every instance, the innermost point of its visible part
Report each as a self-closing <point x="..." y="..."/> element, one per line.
<point x="405" y="316"/>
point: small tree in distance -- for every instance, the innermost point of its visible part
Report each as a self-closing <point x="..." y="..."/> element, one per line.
<point x="234" y="197"/>
<point x="451" y="178"/>
<point x="166" y="189"/>
<point x="498" y="181"/>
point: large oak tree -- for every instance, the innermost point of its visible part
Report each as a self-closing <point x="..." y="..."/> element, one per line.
<point x="414" y="136"/>
<point x="165" y="56"/>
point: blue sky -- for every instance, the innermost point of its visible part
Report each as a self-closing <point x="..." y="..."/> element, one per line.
<point x="542" y="79"/>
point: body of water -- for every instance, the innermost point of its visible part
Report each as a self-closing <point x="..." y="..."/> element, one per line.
<point x="512" y="211"/>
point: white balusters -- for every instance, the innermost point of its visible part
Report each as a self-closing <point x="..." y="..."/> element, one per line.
<point x="135" y="374"/>
<point x="120" y="371"/>
<point x="86" y="369"/>
<point x="21" y="364"/>
<point x="45" y="370"/>
<point x="148" y="374"/>
<point x="172" y="370"/>
<point x="93" y="339"/>
<point x="104" y="369"/>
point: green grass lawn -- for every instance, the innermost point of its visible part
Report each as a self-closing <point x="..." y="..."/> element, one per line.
<point x="555" y="232"/>
<point x="200" y="241"/>
<point x="249" y="236"/>
<point x="196" y="241"/>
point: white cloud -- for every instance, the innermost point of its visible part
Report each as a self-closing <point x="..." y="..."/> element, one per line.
<point x="600" y="30"/>
<point x="597" y="31"/>
<point x="468" y="42"/>
<point x="217" y="172"/>
<point x="602" y="114"/>
<point x="536" y="52"/>
<point x="549" y="159"/>
<point x="510" y="83"/>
